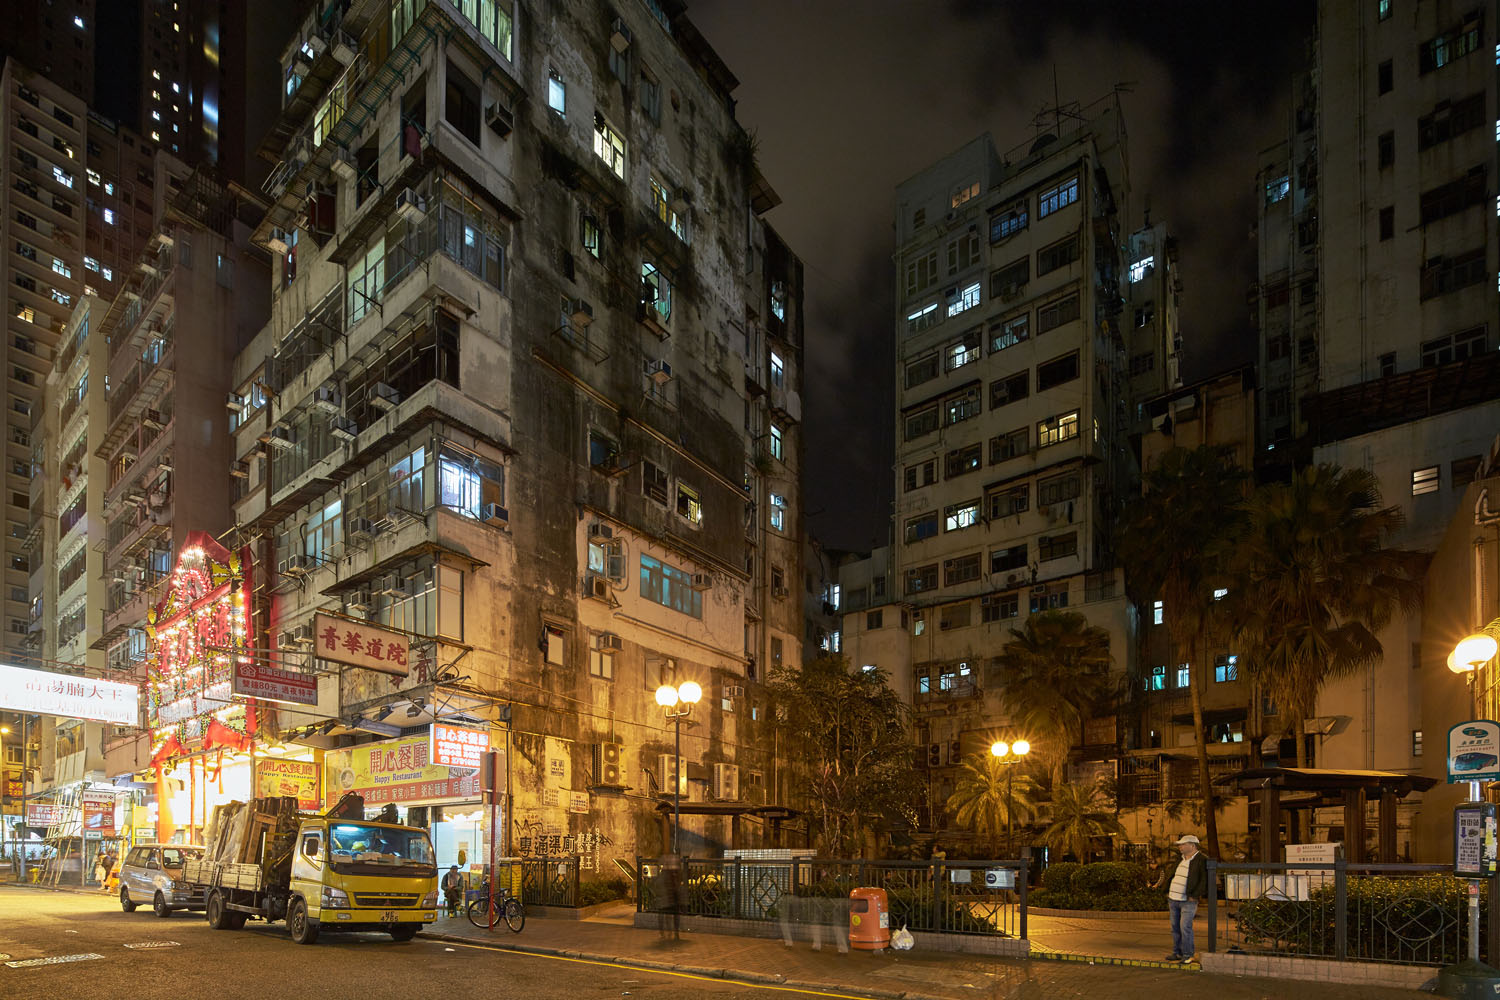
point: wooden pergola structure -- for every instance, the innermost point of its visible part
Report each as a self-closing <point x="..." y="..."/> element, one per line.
<point x="773" y="816"/>
<point x="1293" y="790"/>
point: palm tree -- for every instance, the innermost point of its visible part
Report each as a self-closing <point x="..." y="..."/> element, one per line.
<point x="1078" y="819"/>
<point x="1174" y="542"/>
<point x="1056" y="674"/>
<point x="990" y="797"/>
<point x="1319" y="583"/>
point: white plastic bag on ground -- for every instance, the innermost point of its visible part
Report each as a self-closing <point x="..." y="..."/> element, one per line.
<point x="902" y="939"/>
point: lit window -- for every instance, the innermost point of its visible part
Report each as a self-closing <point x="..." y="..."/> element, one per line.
<point x="778" y="371"/>
<point x="156" y="95"/>
<point x="1055" y="198"/>
<point x="1425" y="481"/>
<point x="156" y="137"/>
<point x="670" y="587"/>
<point x="91" y="263"/>
<point x="156" y="75"/>
<point x="777" y="448"/>
<point x="656" y="291"/>
<point x="778" y="512"/>
<point x="93" y="176"/>
<point x="557" y="92"/>
<point x="61" y="268"/>
<point x="62" y="177"/>
<point x="1220" y="593"/>
<point x="109" y="187"/>
<point x="1057" y="429"/>
<point x="1157" y="681"/>
<point x="1184" y="675"/>
<point x="1141" y="268"/>
<point x="1158" y="612"/>
<point x="1226" y="668"/>
<point x="923" y="318"/>
<point x="964" y="300"/>
<point x="175" y="88"/>
<point x="1278" y="189"/>
<point x="156" y="116"/>
<point x="958" y="516"/>
<point x="609" y="146"/>
<point x="108" y="272"/>
<point x="778" y="300"/>
<point x="77" y="21"/>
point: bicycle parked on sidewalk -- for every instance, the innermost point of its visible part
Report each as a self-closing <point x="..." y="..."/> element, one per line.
<point x="507" y="908"/>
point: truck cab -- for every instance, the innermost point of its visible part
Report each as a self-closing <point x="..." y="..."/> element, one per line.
<point x="361" y="875"/>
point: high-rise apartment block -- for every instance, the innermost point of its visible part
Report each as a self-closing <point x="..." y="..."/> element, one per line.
<point x="1015" y="330"/>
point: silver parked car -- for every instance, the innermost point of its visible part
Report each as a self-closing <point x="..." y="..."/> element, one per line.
<point x="152" y="874"/>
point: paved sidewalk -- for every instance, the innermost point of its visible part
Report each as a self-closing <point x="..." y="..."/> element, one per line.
<point x="913" y="975"/>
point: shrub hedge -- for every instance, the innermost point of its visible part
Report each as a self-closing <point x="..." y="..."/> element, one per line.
<point x="1103" y="885"/>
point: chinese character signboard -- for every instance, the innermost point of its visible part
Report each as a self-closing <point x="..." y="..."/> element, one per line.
<point x="45" y="693"/>
<point x="256" y="680"/>
<point x="43" y="814"/>
<point x="199" y="633"/>
<point x="288" y="777"/>
<point x="360" y="644"/>
<point x="458" y="746"/>
<point x="99" y="813"/>
<point x="1474" y="851"/>
<point x="1474" y="751"/>
<point x="395" y="771"/>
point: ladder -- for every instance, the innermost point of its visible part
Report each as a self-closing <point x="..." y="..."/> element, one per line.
<point x="66" y="826"/>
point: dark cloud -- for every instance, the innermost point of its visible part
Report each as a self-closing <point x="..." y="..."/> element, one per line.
<point x="848" y="100"/>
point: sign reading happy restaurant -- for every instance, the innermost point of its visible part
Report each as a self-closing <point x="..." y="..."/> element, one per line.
<point x="42" y="692"/>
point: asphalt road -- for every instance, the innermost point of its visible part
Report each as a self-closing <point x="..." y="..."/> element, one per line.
<point x="183" y="959"/>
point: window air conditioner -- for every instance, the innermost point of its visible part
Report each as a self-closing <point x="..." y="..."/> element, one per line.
<point x="609" y="640"/>
<point x="235" y="402"/>
<point x="597" y="530"/>
<point x="598" y="587"/>
<point x="619" y="36"/>
<point x="727" y="782"/>
<point x="343" y="428"/>
<point x="154" y="420"/>
<point x="660" y="372"/>
<point x="734" y="690"/>
<point x="500" y="119"/>
<point x="702" y="581"/>
<point x="362" y="526"/>
<point x="390" y="585"/>
<point x="493" y="513"/>
<point x="280" y="437"/>
<point x="411" y="206"/>
<point x="1039" y="590"/>
<point x="384" y="397"/>
<point x="343" y="166"/>
<point x="296" y="564"/>
<point x="327" y="398"/>
<point x="360" y="601"/>
<point x="583" y="313"/>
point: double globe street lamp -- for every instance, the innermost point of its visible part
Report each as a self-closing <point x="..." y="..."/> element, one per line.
<point x="677" y="703"/>
<point x="1009" y="753"/>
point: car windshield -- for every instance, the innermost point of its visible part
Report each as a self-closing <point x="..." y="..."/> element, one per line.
<point x="173" y="857"/>
<point x="379" y="845"/>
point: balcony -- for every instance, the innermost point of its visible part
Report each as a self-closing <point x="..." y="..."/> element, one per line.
<point x="150" y="519"/>
<point x="331" y="35"/>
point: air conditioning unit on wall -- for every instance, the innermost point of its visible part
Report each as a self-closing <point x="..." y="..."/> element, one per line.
<point x="727" y="782"/>
<point x="608" y="769"/>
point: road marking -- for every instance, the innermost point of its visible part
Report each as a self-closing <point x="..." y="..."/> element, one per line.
<point x="666" y="972"/>
<point x="154" y="944"/>
<point x="54" y="960"/>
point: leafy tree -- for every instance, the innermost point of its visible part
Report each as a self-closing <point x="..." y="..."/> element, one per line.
<point x="851" y="748"/>
<point x="1175" y="541"/>
<point x="991" y="797"/>
<point x="1079" y="817"/>
<point x="1318" y="584"/>
<point x="1056" y="674"/>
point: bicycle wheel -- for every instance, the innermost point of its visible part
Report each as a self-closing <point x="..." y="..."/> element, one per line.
<point x="478" y="912"/>
<point x="515" y="915"/>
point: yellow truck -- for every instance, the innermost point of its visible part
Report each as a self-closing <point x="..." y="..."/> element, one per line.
<point x="324" y="873"/>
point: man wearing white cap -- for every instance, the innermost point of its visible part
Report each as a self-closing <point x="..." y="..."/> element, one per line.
<point x="1189" y="884"/>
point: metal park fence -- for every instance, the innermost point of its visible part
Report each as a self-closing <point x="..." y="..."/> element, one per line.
<point x="948" y="897"/>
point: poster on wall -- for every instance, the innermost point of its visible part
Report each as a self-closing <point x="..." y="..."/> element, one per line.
<point x="99" y="813"/>
<point x="43" y="813"/>
<point x="256" y="680"/>
<point x="399" y="770"/>
<point x="288" y="777"/>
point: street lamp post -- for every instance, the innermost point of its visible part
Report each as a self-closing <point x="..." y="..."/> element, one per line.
<point x="677" y="703"/>
<point x="1471" y="653"/>
<point x="1009" y="753"/>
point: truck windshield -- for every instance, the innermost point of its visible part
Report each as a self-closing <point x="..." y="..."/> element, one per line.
<point x="378" y="845"/>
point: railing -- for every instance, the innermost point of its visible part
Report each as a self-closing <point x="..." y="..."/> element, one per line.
<point x="949" y="897"/>
<point x="550" y="881"/>
<point x="1401" y="913"/>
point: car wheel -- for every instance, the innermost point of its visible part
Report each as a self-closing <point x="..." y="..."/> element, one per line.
<point x="403" y="932"/>
<point x="159" y="906"/>
<point x="304" y="929"/>
<point x="125" y="903"/>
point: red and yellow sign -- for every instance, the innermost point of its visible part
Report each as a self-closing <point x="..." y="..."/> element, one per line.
<point x="360" y="644"/>
<point x="288" y="777"/>
<point x="458" y="746"/>
<point x="99" y="813"/>
<point x="394" y="771"/>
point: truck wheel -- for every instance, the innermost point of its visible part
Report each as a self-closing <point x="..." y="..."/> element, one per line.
<point x="215" y="911"/>
<point x="403" y="932"/>
<point x="234" y="919"/>
<point x="159" y="905"/>
<point x="304" y="929"/>
<point x="125" y="903"/>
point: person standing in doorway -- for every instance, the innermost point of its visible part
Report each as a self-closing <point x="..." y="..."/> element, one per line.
<point x="1189" y="884"/>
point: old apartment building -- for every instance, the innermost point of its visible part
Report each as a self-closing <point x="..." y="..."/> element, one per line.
<point x="1013" y="375"/>
<point x="529" y="397"/>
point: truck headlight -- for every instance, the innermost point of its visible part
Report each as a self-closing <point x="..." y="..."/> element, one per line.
<point x="430" y="899"/>
<point x="335" y="898"/>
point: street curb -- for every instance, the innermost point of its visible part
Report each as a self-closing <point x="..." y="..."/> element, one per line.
<point x="730" y="975"/>
<point x="1134" y="963"/>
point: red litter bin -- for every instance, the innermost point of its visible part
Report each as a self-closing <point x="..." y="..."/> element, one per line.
<point x="869" y="919"/>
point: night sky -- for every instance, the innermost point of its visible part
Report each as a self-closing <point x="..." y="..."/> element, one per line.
<point x="847" y="105"/>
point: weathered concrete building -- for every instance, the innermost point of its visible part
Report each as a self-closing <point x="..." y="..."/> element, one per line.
<point x="529" y="397"/>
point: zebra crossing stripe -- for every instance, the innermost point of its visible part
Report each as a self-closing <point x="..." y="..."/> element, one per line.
<point x="54" y="960"/>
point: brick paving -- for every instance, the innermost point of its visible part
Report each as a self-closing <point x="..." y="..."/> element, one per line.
<point x="913" y="975"/>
